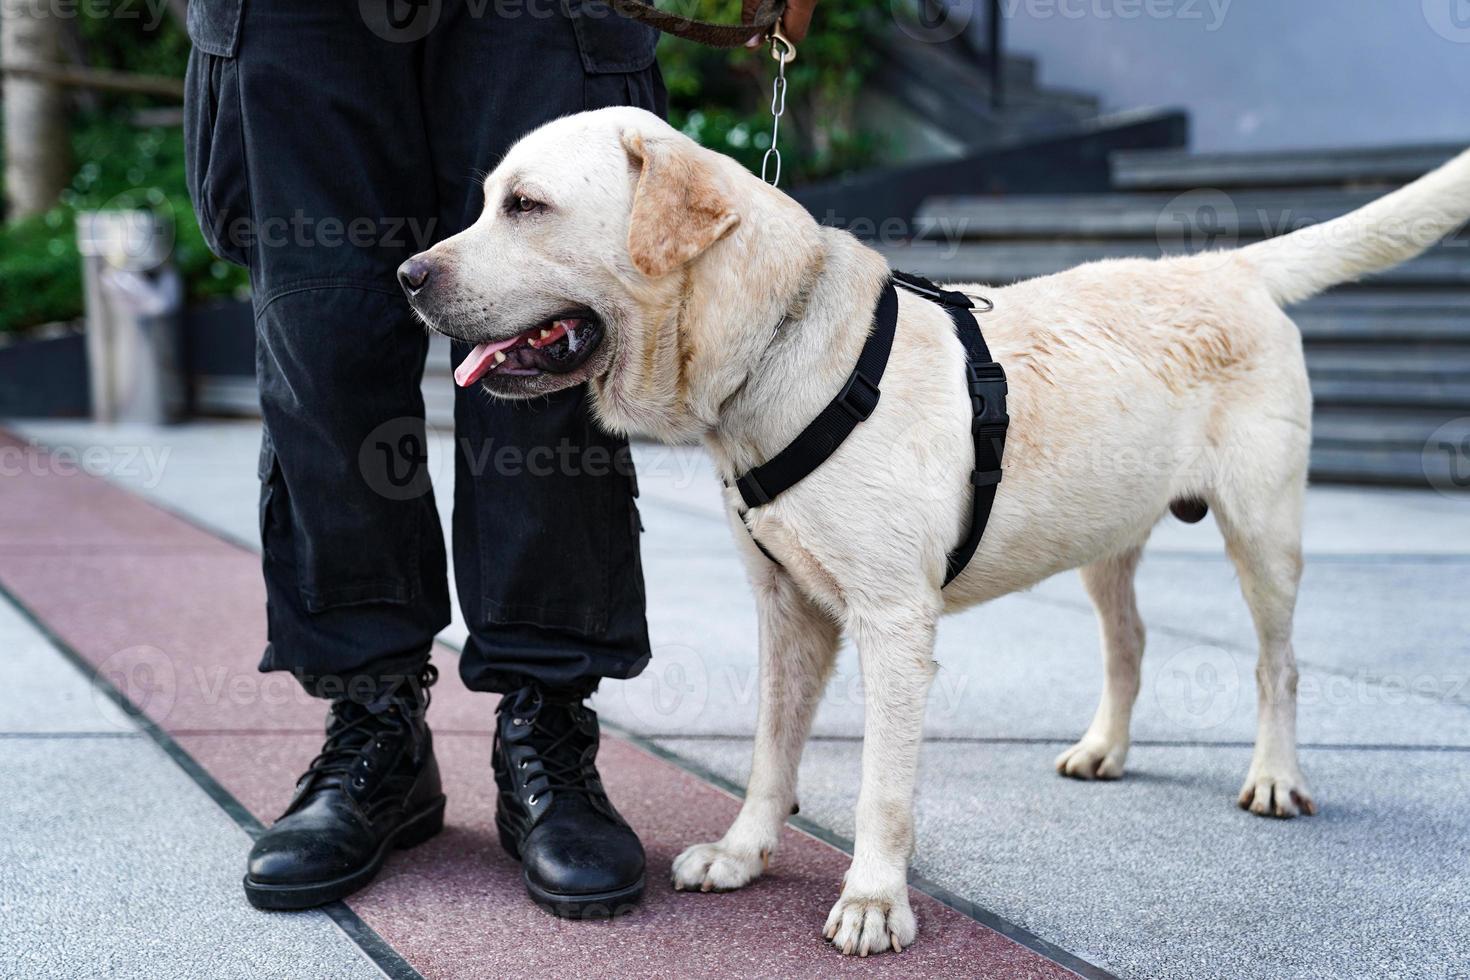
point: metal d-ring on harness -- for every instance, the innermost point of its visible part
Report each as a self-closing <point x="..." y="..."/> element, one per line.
<point x="984" y="379"/>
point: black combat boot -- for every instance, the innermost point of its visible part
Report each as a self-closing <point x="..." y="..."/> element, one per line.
<point x="374" y="787"/>
<point x="579" y="857"/>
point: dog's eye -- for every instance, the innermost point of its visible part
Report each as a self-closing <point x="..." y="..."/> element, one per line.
<point x="521" y="204"/>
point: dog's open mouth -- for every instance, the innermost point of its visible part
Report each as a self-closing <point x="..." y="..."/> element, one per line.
<point x="554" y="346"/>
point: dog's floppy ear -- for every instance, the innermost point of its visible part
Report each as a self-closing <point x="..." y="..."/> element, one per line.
<point x="680" y="207"/>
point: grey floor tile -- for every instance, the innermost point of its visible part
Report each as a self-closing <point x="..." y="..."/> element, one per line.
<point x="113" y="863"/>
<point x="1160" y="875"/>
<point x="43" y="692"/>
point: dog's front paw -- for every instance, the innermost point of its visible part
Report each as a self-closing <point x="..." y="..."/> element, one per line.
<point x="716" y="868"/>
<point x="872" y="923"/>
<point x="1276" y="791"/>
<point x="1093" y="758"/>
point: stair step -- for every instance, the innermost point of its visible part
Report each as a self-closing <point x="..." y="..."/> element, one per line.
<point x="1402" y="326"/>
<point x="1370" y="301"/>
<point x="1399" y="429"/>
<point x="1013" y="261"/>
<point x="1332" y="388"/>
<point x="1153" y="170"/>
<point x="1247" y="214"/>
<point x="944" y="85"/>
<point x="1411" y="361"/>
<point x="1390" y="467"/>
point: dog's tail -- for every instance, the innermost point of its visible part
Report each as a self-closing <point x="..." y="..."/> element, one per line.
<point x="1391" y="230"/>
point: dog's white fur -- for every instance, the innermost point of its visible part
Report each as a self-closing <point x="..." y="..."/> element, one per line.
<point x="1132" y="384"/>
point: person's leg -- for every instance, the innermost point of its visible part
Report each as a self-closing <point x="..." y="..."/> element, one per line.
<point x="308" y="163"/>
<point x="314" y="170"/>
<point x="545" y="525"/>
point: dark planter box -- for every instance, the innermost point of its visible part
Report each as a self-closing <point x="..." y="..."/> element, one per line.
<point x="45" y="377"/>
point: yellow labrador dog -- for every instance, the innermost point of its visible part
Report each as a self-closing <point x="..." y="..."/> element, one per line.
<point x="696" y="301"/>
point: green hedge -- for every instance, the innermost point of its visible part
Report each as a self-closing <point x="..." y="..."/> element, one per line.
<point x="119" y="166"/>
<point x="123" y="167"/>
<point x="722" y="98"/>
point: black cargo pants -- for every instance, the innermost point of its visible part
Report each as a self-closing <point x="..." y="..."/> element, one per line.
<point x="327" y="142"/>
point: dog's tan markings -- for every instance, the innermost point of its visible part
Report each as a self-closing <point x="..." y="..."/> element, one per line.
<point x="652" y="342"/>
<point x="679" y="208"/>
<point x="1200" y="333"/>
<point x="809" y="277"/>
<point x="802" y="564"/>
<point x="683" y="338"/>
<point x="1201" y="349"/>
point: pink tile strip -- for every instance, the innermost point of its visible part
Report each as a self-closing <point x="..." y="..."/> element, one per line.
<point x="174" y="617"/>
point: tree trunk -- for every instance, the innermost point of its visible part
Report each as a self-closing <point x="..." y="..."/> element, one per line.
<point x="37" y="140"/>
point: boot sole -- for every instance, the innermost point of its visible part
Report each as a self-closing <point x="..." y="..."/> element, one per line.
<point x="608" y="905"/>
<point x="283" y="898"/>
<point x="601" y="905"/>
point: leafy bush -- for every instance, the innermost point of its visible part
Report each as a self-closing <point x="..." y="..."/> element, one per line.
<point x="722" y="98"/>
<point x="124" y="167"/>
<point x="120" y="166"/>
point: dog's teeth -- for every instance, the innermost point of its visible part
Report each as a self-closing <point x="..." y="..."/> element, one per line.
<point x="545" y="334"/>
<point x="499" y="357"/>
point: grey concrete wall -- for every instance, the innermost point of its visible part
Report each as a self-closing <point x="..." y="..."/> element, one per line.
<point x="1263" y="74"/>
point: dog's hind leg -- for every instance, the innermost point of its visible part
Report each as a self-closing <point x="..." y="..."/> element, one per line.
<point x="896" y="650"/>
<point x="1102" y="751"/>
<point x="798" y="645"/>
<point x="1263" y="539"/>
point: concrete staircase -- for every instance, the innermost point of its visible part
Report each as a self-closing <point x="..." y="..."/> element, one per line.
<point x="934" y="99"/>
<point x="1389" y="358"/>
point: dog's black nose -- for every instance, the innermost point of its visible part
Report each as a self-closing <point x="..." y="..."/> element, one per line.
<point x="413" y="274"/>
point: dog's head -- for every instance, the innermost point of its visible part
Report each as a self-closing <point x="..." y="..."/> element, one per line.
<point x="577" y="263"/>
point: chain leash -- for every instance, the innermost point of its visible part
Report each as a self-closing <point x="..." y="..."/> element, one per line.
<point x="783" y="51"/>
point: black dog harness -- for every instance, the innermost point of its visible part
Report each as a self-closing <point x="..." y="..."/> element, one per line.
<point x="859" y="396"/>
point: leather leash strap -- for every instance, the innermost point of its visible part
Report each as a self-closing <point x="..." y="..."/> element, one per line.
<point x="760" y="22"/>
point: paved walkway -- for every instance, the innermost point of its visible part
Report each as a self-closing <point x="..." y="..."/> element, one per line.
<point x="1156" y="875"/>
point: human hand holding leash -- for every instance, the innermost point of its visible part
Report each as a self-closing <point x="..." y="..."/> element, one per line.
<point x="795" y="19"/>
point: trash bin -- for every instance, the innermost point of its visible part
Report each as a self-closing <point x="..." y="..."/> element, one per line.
<point x="134" y="304"/>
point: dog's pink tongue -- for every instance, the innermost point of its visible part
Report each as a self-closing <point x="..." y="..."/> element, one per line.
<point x="479" y="362"/>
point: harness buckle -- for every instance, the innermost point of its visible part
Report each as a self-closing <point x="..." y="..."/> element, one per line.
<point x="987" y="385"/>
<point x="859" y="397"/>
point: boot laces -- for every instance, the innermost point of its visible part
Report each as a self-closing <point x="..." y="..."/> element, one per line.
<point x="560" y="743"/>
<point x="353" y="726"/>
